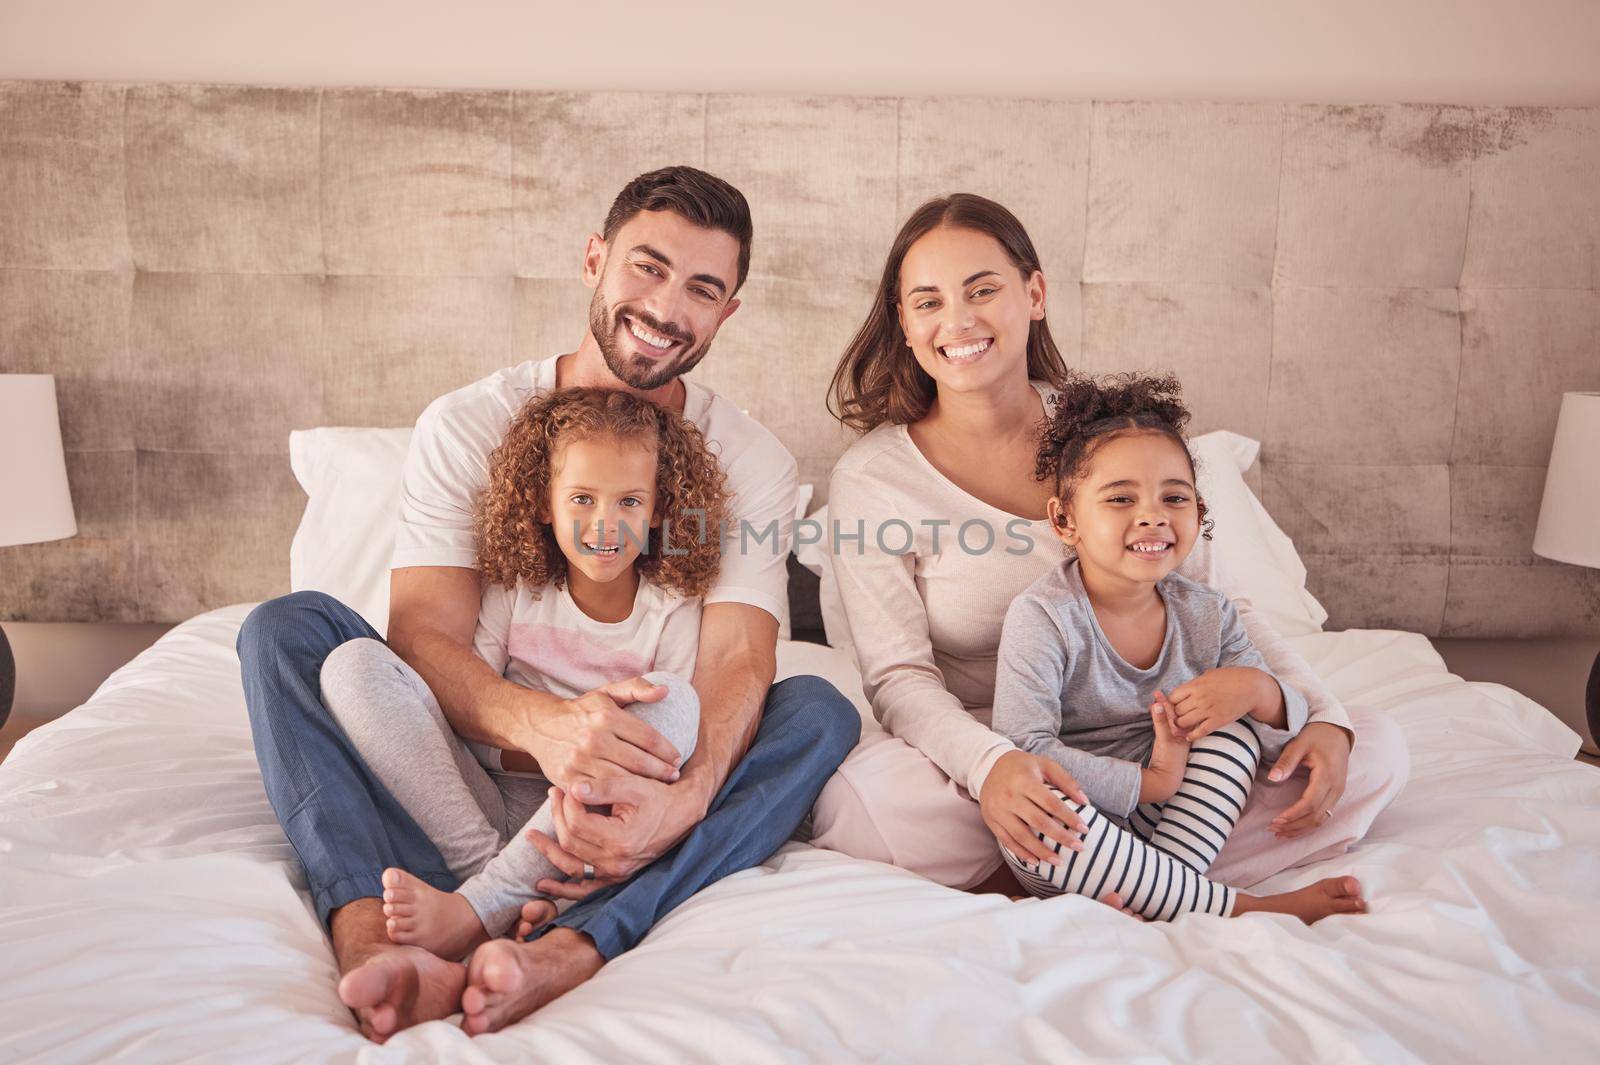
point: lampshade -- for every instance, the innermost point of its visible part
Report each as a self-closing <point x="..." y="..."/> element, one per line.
<point x="1569" y="518"/>
<point x="35" y="504"/>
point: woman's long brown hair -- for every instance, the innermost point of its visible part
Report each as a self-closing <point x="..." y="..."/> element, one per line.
<point x="878" y="379"/>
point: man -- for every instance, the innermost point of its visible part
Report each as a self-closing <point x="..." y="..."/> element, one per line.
<point x="665" y="271"/>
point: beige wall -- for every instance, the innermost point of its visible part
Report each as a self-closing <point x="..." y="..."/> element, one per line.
<point x="1355" y="51"/>
<point x="59" y="665"/>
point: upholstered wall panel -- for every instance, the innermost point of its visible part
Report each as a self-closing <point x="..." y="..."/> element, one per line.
<point x="1032" y="155"/>
<point x="74" y="324"/>
<point x="1391" y="298"/>
<point x="1535" y="200"/>
<point x="225" y="361"/>
<point x="1183" y="192"/>
<point x="572" y="152"/>
<point x="62" y="182"/>
<point x="212" y="528"/>
<point x="820" y="175"/>
<point x="416" y="183"/>
<point x="1217" y="338"/>
<point x="1383" y="360"/>
<point x="393" y="344"/>
<point x="223" y="180"/>
<point x="1374" y="196"/>
<point x="1521" y="348"/>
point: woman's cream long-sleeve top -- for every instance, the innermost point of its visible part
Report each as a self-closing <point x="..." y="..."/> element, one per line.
<point x="926" y="622"/>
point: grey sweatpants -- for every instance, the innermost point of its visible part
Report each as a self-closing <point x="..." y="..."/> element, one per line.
<point x="476" y="816"/>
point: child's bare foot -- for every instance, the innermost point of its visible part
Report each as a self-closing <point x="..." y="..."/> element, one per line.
<point x="1338" y="894"/>
<point x="1116" y="902"/>
<point x="420" y="915"/>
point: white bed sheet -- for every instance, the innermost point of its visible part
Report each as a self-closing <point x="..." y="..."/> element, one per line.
<point x="151" y="910"/>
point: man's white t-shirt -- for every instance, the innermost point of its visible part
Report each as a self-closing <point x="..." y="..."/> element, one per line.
<point x="550" y="644"/>
<point x="447" y="468"/>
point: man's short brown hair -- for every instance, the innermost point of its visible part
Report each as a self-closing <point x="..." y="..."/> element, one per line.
<point x="702" y="198"/>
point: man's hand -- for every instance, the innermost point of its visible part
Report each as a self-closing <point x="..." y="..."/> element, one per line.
<point x="1220" y="697"/>
<point x="1018" y="806"/>
<point x="647" y="818"/>
<point x="1324" y="749"/>
<point x="591" y="738"/>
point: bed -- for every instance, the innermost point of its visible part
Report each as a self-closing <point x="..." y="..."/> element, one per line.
<point x="151" y="910"/>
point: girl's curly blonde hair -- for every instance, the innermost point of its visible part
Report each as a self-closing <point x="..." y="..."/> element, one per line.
<point x="512" y="519"/>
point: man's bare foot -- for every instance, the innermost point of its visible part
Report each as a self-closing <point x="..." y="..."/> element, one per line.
<point x="507" y="980"/>
<point x="389" y="987"/>
<point x="1337" y="894"/>
<point x="418" y="914"/>
<point x="397" y="987"/>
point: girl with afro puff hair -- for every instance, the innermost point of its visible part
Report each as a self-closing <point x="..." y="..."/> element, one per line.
<point x="1095" y="659"/>
<point x="598" y="533"/>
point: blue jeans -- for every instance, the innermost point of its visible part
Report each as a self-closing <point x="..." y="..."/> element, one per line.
<point x="347" y="829"/>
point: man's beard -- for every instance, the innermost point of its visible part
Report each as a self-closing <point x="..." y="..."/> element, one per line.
<point x="640" y="371"/>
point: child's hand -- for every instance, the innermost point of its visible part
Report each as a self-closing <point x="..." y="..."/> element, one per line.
<point x="1159" y="781"/>
<point x="1220" y="697"/>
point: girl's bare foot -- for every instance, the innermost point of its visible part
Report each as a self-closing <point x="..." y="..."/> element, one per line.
<point x="1115" y="901"/>
<point x="1338" y="894"/>
<point x="420" y="915"/>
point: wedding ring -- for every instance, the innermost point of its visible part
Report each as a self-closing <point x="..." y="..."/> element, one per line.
<point x="588" y="871"/>
<point x="1327" y="814"/>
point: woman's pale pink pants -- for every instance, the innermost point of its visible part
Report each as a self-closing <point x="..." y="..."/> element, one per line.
<point x="889" y="803"/>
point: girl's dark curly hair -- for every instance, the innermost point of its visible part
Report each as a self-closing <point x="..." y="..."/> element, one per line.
<point x="512" y="518"/>
<point x="1091" y="412"/>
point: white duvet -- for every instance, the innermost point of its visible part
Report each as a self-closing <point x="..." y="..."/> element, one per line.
<point x="151" y="910"/>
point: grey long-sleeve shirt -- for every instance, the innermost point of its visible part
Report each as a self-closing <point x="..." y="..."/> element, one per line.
<point x="1061" y="690"/>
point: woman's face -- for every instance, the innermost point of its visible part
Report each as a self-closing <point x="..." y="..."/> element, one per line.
<point x="965" y="309"/>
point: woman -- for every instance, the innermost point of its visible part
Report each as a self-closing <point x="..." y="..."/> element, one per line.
<point x="949" y="378"/>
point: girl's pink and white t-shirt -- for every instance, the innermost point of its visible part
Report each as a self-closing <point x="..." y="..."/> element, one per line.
<point x="550" y="644"/>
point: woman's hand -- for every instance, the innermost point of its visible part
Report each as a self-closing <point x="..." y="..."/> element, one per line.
<point x="1220" y="697"/>
<point x="1324" y="749"/>
<point x="1017" y="805"/>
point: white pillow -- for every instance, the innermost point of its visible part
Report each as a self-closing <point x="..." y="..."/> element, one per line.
<point x="1256" y="559"/>
<point x="346" y="536"/>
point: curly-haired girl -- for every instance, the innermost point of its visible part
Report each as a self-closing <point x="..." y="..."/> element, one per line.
<point x="598" y="533"/>
<point x="1112" y="629"/>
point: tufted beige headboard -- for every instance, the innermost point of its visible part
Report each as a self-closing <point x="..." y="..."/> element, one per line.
<point x="1392" y="298"/>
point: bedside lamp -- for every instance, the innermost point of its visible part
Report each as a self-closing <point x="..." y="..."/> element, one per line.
<point x="1569" y="518"/>
<point x="35" y="504"/>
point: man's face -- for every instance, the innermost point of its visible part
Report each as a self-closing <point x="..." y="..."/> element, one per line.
<point x="662" y="288"/>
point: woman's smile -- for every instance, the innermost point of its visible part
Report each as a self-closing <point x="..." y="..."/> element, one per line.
<point x="967" y="351"/>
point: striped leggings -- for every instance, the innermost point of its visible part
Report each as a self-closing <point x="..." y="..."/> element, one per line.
<point x="1157" y="864"/>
